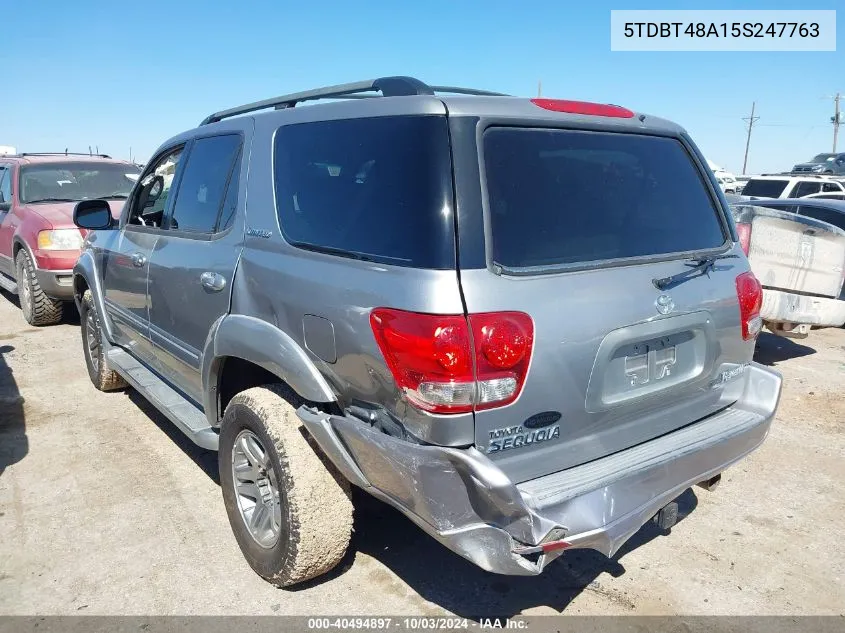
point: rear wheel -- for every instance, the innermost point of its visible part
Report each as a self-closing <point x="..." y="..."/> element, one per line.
<point x="291" y="512"/>
<point x="101" y="374"/>
<point x="37" y="308"/>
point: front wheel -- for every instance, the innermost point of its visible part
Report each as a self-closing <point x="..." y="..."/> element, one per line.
<point x="101" y="374"/>
<point x="289" y="510"/>
<point x="37" y="307"/>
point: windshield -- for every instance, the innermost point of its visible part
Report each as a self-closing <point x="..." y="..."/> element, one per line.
<point x="821" y="158"/>
<point x="76" y="181"/>
<point x="764" y="188"/>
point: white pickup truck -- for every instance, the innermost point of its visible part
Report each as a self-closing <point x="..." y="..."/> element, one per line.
<point x="800" y="261"/>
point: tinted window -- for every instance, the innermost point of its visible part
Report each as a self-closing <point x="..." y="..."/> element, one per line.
<point x="376" y="188"/>
<point x="805" y="189"/>
<point x="230" y="204"/>
<point x="836" y="218"/>
<point x="203" y="183"/>
<point x="764" y="188"/>
<point x="558" y="197"/>
<point x="831" y="186"/>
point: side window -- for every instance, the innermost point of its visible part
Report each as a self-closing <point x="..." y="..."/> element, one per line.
<point x="203" y="184"/>
<point x="831" y="186"/>
<point x="150" y="200"/>
<point x="372" y="188"/>
<point x="805" y="188"/>
<point x="230" y="204"/>
<point x="5" y="184"/>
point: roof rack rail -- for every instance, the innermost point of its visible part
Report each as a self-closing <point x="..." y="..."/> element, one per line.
<point x="63" y="154"/>
<point x="387" y="86"/>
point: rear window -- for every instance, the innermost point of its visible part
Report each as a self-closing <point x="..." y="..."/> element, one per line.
<point x="562" y="197"/>
<point x="764" y="188"/>
<point x="378" y="189"/>
<point x="836" y="218"/>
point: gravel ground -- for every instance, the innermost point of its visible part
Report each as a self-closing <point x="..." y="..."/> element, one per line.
<point x="106" y="509"/>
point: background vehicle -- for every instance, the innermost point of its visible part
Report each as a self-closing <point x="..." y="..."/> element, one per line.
<point x="823" y="164"/>
<point x="797" y="251"/>
<point x="39" y="243"/>
<point x="790" y="186"/>
<point x="740" y="182"/>
<point x="519" y="391"/>
<point x="826" y="196"/>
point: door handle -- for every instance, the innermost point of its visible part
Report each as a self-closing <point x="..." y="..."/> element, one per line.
<point x="212" y="281"/>
<point x="138" y="260"/>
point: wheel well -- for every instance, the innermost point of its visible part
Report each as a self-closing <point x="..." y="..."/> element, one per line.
<point x="79" y="286"/>
<point x="16" y="248"/>
<point x="236" y="375"/>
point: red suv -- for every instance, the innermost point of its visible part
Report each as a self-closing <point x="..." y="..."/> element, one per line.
<point x="39" y="243"/>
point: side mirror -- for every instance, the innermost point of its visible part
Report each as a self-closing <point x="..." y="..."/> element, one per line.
<point x="92" y="215"/>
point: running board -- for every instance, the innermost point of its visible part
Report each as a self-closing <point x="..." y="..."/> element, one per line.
<point x="8" y="285"/>
<point x="189" y="418"/>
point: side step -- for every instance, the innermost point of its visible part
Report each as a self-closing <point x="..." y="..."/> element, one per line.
<point x="7" y="284"/>
<point x="189" y="418"/>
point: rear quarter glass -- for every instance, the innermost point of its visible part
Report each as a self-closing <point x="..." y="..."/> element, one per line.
<point x="764" y="188"/>
<point x="376" y="188"/>
<point x="563" y="197"/>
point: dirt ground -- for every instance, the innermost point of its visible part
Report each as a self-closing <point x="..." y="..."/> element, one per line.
<point x="106" y="509"/>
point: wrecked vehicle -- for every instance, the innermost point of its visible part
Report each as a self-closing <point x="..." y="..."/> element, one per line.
<point x="797" y="250"/>
<point x="489" y="312"/>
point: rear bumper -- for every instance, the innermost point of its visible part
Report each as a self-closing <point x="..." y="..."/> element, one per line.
<point x="57" y="284"/>
<point x="463" y="500"/>
<point x="787" y="307"/>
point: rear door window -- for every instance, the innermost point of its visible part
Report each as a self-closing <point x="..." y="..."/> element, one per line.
<point x="559" y="197"/>
<point x="764" y="188"/>
<point x="378" y="189"/>
<point x="805" y="188"/>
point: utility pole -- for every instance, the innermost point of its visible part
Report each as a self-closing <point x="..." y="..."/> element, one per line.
<point x="836" y="119"/>
<point x="751" y="120"/>
<point x="540" y="88"/>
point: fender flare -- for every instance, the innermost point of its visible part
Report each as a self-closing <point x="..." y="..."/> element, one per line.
<point x="17" y="240"/>
<point x="262" y="344"/>
<point x="86" y="267"/>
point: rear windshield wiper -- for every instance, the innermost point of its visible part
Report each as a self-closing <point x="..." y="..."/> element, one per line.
<point x="698" y="266"/>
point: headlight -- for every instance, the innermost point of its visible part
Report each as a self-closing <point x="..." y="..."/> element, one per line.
<point x="60" y="240"/>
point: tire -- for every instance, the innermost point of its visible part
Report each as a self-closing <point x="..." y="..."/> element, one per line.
<point x="101" y="374"/>
<point x="38" y="308"/>
<point x="303" y="498"/>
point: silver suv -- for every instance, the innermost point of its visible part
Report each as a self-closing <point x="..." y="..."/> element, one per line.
<point x="525" y="323"/>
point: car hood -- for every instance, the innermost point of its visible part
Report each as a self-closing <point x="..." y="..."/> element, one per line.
<point x="60" y="214"/>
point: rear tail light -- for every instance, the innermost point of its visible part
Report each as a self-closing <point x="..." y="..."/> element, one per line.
<point x="455" y="364"/>
<point x="583" y="107"/>
<point x="750" y="295"/>
<point x="743" y="231"/>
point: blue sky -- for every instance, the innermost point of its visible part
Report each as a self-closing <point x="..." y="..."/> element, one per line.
<point x="121" y="74"/>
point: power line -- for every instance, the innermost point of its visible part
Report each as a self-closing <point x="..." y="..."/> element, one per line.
<point x="751" y="121"/>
